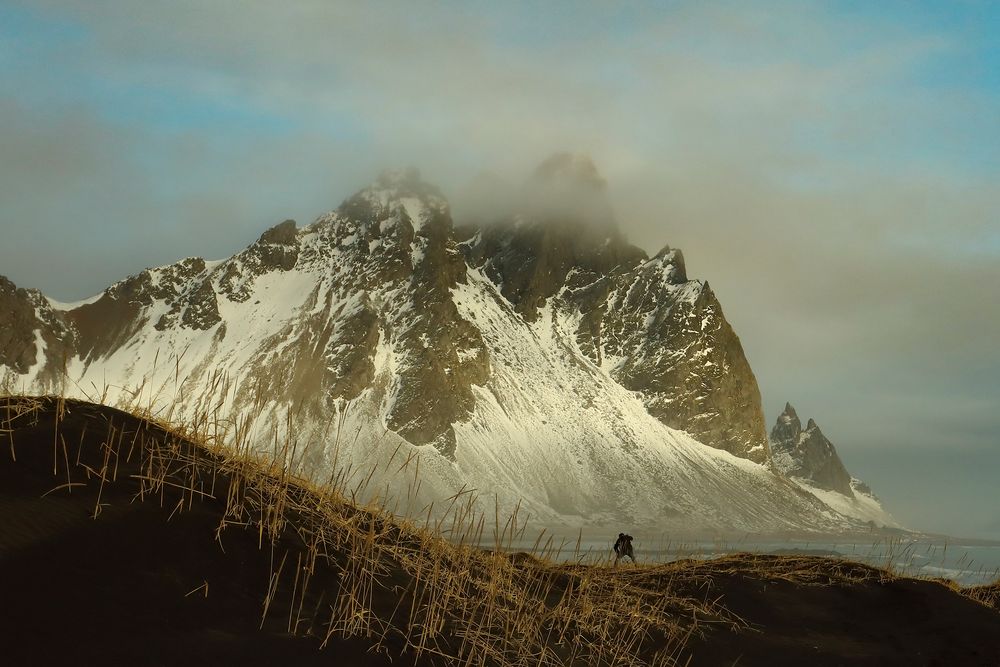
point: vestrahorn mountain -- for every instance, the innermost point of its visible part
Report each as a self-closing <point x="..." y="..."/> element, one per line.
<point x="538" y="358"/>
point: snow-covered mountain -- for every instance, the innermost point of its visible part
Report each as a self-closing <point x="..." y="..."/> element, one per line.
<point x="539" y="359"/>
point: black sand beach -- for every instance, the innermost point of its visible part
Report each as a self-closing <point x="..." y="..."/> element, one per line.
<point x="111" y="552"/>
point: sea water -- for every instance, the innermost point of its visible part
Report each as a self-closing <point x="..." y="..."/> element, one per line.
<point x="967" y="564"/>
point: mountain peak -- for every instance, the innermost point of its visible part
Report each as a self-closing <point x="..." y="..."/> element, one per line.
<point x="568" y="187"/>
<point x="786" y="431"/>
<point x="396" y="191"/>
<point x="789" y="418"/>
<point x="394" y="178"/>
<point x="570" y="170"/>
<point x="675" y="258"/>
<point x="807" y="454"/>
<point x="394" y="184"/>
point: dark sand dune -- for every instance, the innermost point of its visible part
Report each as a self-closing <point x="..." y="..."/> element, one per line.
<point x="117" y="589"/>
<point x="151" y="580"/>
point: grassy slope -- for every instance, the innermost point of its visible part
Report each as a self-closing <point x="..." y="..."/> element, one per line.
<point x="125" y="542"/>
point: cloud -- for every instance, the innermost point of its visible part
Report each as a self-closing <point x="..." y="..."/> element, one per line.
<point x="87" y="202"/>
<point x="833" y="174"/>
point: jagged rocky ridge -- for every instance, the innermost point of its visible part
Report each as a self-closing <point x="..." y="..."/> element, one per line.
<point x="639" y="318"/>
<point x="809" y="458"/>
<point x="542" y="359"/>
<point x="807" y="454"/>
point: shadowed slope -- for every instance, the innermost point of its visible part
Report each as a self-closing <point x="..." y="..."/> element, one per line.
<point x="124" y="543"/>
<point x="141" y="584"/>
<point x="137" y="544"/>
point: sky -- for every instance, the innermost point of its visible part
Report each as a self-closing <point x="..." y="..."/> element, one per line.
<point x="831" y="168"/>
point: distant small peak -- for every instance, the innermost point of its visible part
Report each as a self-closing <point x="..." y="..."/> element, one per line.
<point x="789" y="410"/>
<point x="811" y="424"/>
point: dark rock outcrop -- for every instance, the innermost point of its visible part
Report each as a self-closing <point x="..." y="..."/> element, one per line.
<point x="686" y="361"/>
<point x="17" y="327"/>
<point x="530" y="262"/>
<point x="35" y="338"/>
<point x="281" y="234"/>
<point x="808" y="454"/>
<point x="400" y="234"/>
<point x="277" y="249"/>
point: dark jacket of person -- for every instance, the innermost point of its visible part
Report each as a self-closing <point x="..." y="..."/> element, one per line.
<point x="623" y="546"/>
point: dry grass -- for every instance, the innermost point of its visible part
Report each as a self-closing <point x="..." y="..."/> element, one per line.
<point x="451" y="599"/>
<point x="424" y="587"/>
<point x="988" y="594"/>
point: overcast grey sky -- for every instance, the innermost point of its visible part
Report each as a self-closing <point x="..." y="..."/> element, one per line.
<point x="830" y="168"/>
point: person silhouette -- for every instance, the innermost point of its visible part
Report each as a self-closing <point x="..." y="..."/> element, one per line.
<point x="623" y="547"/>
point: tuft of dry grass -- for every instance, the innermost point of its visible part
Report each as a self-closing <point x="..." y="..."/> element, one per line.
<point x="988" y="594"/>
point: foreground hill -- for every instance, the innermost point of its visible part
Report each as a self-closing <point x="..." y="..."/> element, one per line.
<point x="122" y="542"/>
<point x="541" y="360"/>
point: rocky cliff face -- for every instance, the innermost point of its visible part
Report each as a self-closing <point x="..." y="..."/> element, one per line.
<point x="17" y="327"/>
<point x="381" y="269"/>
<point x="807" y="454"/>
<point x="541" y="358"/>
<point x="640" y="318"/>
<point x="35" y="341"/>
<point x="398" y="238"/>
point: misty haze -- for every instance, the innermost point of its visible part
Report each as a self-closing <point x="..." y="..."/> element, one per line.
<point x="455" y="333"/>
